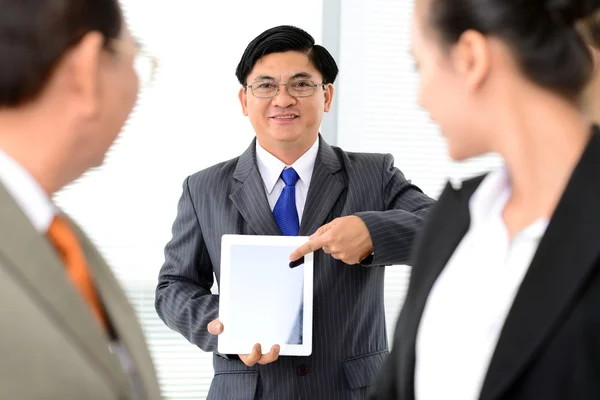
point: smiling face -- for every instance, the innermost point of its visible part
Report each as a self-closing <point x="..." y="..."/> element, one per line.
<point x="285" y="121"/>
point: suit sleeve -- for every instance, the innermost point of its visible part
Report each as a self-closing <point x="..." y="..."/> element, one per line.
<point x="393" y="231"/>
<point x="183" y="297"/>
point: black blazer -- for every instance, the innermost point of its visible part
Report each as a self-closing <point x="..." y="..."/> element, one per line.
<point x="549" y="346"/>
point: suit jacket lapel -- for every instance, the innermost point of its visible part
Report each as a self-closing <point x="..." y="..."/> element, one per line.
<point x="326" y="186"/>
<point x="249" y="195"/>
<point x="121" y="315"/>
<point x="557" y="273"/>
<point x="250" y="199"/>
<point x="33" y="260"/>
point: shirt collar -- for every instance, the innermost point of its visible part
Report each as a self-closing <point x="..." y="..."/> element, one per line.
<point x="270" y="167"/>
<point x="491" y="197"/>
<point x="28" y="194"/>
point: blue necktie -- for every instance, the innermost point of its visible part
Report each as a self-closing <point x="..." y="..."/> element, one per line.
<point x="286" y="216"/>
<point x="285" y="211"/>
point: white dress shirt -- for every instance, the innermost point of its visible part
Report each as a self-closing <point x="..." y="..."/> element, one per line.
<point x="270" y="168"/>
<point x="471" y="298"/>
<point x="28" y="194"/>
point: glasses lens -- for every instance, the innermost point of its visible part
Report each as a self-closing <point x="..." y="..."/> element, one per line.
<point x="264" y="88"/>
<point x="145" y="67"/>
<point x="301" y="88"/>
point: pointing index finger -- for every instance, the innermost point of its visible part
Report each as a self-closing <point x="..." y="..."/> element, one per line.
<point x="312" y="245"/>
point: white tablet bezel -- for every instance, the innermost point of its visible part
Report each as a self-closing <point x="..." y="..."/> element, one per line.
<point x="225" y="344"/>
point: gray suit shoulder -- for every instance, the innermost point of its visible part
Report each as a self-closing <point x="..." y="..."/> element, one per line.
<point x="359" y="160"/>
<point x="213" y="175"/>
<point x="367" y="158"/>
<point x="221" y="173"/>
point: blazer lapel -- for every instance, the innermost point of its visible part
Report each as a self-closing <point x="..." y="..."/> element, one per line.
<point x="121" y="315"/>
<point x="249" y="195"/>
<point x="557" y="273"/>
<point x="326" y="185"/>
<point x="33" y="260"/>
<point x="446" y="228"/>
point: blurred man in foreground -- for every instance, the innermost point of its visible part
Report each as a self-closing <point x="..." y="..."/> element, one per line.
<point x="67" y="85"/>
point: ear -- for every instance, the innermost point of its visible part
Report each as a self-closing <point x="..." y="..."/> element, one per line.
<point x="243" y="96"/>
<point x="472" y="58"/>
<point x="595" y="58"/>
<point x="329" y="91"/>
<point x="80" y="70"/>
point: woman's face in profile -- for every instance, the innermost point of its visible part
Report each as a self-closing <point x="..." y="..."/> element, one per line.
<point x="446" y="89"/>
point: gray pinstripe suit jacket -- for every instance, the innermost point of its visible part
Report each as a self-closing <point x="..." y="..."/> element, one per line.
<point x="349" y="335"/>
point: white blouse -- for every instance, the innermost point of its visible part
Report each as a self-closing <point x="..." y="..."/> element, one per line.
<point x="471" y="298"/>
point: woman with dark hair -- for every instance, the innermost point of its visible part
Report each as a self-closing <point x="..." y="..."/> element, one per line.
<point x="504" y="298"/>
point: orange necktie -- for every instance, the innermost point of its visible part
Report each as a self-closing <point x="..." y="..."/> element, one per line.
<point x="67" y="244"/>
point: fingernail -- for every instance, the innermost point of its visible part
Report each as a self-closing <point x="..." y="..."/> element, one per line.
<point x="297" y="263"/>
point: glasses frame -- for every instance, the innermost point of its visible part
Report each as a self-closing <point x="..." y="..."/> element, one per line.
<point x="287" y="86"/>
<point x="139" y="52"/>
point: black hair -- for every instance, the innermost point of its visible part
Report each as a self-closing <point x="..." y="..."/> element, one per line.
<point x="541" y="33"/>
<point x="35" y="34"/>
<point x="282" y="39"/>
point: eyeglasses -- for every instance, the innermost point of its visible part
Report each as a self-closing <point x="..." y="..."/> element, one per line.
<point x="144" y="64"/>
<point x="296" y="88"/>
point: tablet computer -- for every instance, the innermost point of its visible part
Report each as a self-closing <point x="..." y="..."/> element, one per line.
<point x="262" y="299"/>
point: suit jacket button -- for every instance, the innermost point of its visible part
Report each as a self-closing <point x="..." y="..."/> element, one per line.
<point x="303" y="370"/>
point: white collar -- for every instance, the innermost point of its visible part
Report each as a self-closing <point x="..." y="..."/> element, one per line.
<point x="491" y="197"/>
<point x="270" y="167"/>
<point x="27" y="192"/>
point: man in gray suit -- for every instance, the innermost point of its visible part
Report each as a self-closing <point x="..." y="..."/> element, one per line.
<point x="67" y="85"/>
<point x="365" y="213"/>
